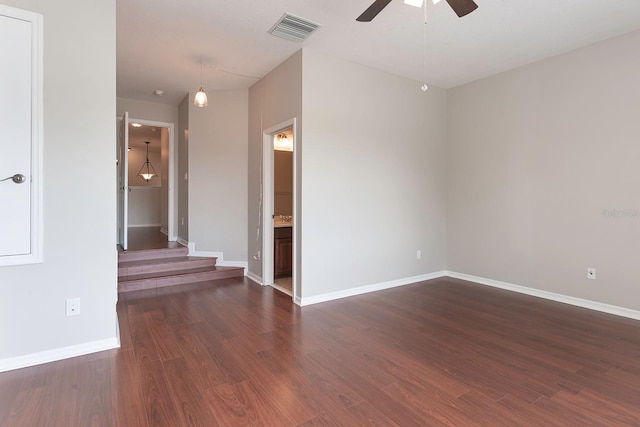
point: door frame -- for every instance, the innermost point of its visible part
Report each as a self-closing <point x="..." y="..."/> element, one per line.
<point x="123" y="176"/>
<point x="172" y="215"/>
<point x="268" y="205"/>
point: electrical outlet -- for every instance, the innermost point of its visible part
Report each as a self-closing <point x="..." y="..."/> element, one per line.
<point x="591" y="273"/>
<point x="73" y="306"/>
<point x="182" y="220"/>
<point x="418" y="254"/>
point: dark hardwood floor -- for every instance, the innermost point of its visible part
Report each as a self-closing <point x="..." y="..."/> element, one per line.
<point x="143" y="238"/>
<point x="444" y="352"/>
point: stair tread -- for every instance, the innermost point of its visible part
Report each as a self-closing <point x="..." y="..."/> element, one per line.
<point x="169" y="260"/>
<point x="142" y="251"/>
<point x="171" y="273"/>
<point x="152" y="253"/>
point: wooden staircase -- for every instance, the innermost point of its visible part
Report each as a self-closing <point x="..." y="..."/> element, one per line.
<point x="156" y="268"/>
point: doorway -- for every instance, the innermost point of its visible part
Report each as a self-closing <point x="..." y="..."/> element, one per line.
<point x="279" y="208"/>
<point x="148" y="165"/>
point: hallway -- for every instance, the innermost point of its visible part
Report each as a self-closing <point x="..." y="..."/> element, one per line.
<point x="143" y="238"/>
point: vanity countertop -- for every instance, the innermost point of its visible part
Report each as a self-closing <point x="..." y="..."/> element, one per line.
<point x="278" y="224"/>
<point x="281" y="221"/>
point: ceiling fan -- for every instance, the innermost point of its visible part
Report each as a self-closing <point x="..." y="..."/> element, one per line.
<point x="460" y="7"/>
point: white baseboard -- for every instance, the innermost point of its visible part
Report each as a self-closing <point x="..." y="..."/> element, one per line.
<point x="297" y="301"/>
<point x="579" y="302"/>
<point x="243" y="264"/>
<point x="143" y="225"/>
<point x="58" y="354"/>
<point x="366" y="289"/>
<point x="255" y="278"/>
<point x="221" y="262"/>
<point x="182" y="241"/>
<point x="206" y="254"/>
<point x="164" y="231"/>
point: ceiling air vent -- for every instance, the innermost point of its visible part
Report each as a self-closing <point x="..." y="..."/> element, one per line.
<point x="293" y="28"/>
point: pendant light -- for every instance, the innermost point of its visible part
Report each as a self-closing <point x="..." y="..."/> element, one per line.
<point x="147" y="171"/>
<point x="424" y="86"/>
<point x="200" y="100"/>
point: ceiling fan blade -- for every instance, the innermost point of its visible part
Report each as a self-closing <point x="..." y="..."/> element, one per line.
<point x="373" y="10"/>
<point x="462" y="7"/>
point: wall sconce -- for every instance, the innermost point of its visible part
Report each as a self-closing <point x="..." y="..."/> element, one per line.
<point x="282" y="143"/>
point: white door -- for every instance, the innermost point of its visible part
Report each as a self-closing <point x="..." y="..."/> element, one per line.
<point x="15" y="135"/>
<point x="123" y="181"/>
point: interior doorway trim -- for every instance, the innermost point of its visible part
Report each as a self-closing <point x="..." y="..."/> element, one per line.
<point x="172" y="223"/>
<point x="268" y="206"/>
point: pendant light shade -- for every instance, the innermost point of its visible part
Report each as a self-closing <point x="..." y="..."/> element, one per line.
<point x="200" y="100"/>
<point x="147" y="171"/>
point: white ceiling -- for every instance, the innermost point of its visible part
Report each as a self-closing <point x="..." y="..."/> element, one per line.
<point x="160" y="43"/>
<point x="138" y="136"/>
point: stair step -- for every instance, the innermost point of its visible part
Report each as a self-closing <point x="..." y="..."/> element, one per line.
<point x="163" y="264"/>
<point x="155" y="275"/>
<point x="128" y="256"/>
<point x="180" y="277"/>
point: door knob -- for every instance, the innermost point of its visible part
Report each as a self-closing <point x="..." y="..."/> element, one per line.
<point x="17" y="178"/>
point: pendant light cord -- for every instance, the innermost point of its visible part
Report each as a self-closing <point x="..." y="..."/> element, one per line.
<point x="424" y="49"/>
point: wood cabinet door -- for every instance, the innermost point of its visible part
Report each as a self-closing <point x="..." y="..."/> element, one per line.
<point x="282" y="259"/>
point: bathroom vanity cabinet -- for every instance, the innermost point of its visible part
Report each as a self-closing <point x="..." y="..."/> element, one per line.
<point x="283" y="246"/>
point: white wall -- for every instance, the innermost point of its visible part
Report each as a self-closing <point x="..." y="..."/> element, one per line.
<point x="144" y="206"/>
<point x="137" y="157"/>
<point x="79" y="183"/>
<point x="373" y="177"/>
<point x="536" y="156"/>
<point x="218" y="175"/>
<point x="146" y="110"/>
<point x="273" y="100"/>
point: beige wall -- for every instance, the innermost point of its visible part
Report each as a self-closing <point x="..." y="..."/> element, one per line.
<point x="137" y="157"/>
<point x="164" y="178"/>
<point x="183" y="169"/>
<point x="373" y="176"/>
<point x="218" y="174"/>
<point x="536" y="157"/>
<point x="79" y="191"/>
<point x="273" y="100"/>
